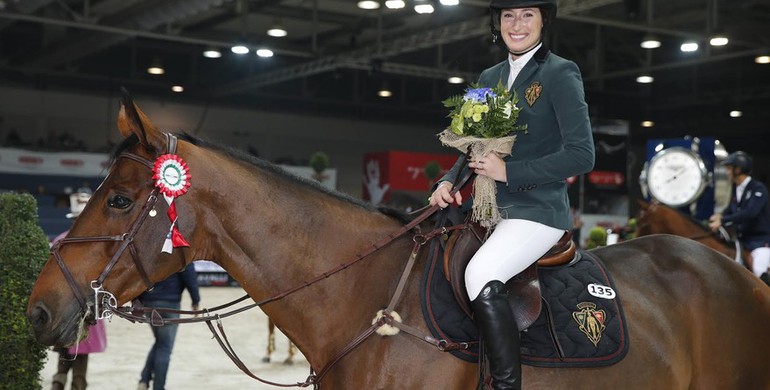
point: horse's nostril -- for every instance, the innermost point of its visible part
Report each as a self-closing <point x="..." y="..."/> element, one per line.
<point x="40" y="317"/>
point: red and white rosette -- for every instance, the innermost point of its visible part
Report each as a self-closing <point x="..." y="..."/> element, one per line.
<point x="172" y="177"/>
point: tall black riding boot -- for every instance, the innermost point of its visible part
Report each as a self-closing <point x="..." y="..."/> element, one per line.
<point x="495" y="320"/>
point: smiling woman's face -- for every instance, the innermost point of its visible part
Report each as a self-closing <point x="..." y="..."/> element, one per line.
<point x="521" y="28"/>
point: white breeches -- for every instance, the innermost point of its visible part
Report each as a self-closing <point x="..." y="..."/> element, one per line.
<point x="512" y="247"/>
<point x="761" y="260"/>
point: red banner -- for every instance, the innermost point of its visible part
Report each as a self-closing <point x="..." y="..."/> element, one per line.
<point x="400" y="171"/>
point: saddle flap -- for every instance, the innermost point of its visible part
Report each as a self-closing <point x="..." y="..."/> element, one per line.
<point x="523" y="289"/>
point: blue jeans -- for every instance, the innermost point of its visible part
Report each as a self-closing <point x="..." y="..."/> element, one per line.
<point x="156" y="366"/>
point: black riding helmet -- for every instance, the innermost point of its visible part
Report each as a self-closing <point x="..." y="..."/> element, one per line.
<point x="548" y="9"/>
<point x="740" y="159"/>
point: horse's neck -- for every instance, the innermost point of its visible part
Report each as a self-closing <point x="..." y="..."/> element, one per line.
<point x="274" y="235"/>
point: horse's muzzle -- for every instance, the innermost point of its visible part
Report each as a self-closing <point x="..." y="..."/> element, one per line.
<point x="40" y="318"/>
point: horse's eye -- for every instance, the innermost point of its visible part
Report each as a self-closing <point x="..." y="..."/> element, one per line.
<point x="119" y="202"/>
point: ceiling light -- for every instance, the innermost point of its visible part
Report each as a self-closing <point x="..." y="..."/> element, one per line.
<point x="689" y="47"/>
<point x="265" y="53"/>
<point x="177" y="88"/>
<point x="384" y="91"/>
<point x="736" y="114"/>
<point x="155" y="67"/>
<point x="645" y="79"/>
<point x="450" y="2"/>
<point x="395" y="4"/>
<point x="239" y="49"/>
<point x="718" y="40"/>
<point x="423" y="7"/>
<point x="277" y="30"/>
<point x="648" y="123"/>
<point x="368" y="4"/>
<point x="456" y="80"/>
<point x="650" y="42"/>
<point x="212" y="53"/>
<point x="762" y="59"/>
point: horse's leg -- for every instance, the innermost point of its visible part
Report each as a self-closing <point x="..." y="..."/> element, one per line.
<point x="270" y="340"/>
<point x="292" y="352"/>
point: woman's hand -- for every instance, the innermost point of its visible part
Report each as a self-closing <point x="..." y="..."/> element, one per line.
<point x="491" y="166"/>
<point x="442" y="197"/>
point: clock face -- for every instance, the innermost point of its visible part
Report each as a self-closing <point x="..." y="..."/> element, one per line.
<point x="676" y="177"/>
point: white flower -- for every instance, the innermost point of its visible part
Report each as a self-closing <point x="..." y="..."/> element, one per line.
<point x="507" y="109"/>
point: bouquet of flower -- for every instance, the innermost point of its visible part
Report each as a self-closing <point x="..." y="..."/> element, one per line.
<point x="483" y="121"/>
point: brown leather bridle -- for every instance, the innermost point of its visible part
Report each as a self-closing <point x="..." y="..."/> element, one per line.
<point x="103" y="299"/>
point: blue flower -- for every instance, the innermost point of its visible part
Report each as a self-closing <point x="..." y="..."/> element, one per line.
<point x="478" y="95"/>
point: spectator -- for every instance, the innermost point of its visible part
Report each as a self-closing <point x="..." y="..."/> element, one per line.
<point x="76" y="357"/>
<point x="166" y="294"/>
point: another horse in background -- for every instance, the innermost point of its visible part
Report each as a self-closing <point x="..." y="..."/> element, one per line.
<point x="696" y="319"/>
<point x="656" y="218"/>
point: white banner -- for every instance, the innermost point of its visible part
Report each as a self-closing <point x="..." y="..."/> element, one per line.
<point x="22" y="161"/>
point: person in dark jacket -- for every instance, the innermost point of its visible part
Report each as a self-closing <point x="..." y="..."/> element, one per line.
<point x="748" y="211"/>
<point x="531" y="181"/>
<point x="166" y="294"/>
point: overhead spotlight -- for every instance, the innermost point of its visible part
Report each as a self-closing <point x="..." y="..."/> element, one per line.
<point x="264" y="53"/>
<point x="212" y="52"/>
<point x="455" y="80"/>
<point x="764" y="59"/>
<point x="647" y="123"/>
<point x="650" y="42"/>
<point x="736" y="114"/>
<point x="450" y="2"/>
<point x="395" y="4"/>
<point x="368" y="4"/>
<point x="239" y="49"/>
<point x="423" y="7"/>
<point x="156" y="67"/>
<point x="177" y="88"/>
<point x="384" y="91"/>
<point x="719" y="40"/>
<point x="645" y="79"/>
<point x="689" y="47"/>
<point x="277" y="30"/>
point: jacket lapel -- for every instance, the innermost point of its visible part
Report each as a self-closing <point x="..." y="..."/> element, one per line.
<point x="531" y="67"/>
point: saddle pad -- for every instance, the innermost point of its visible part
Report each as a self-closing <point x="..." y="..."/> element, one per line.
<point x="590" y="329"/>
<point x="587" y="318"/>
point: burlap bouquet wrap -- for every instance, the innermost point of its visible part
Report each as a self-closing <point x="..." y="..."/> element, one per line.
<point x="485" y="210"/>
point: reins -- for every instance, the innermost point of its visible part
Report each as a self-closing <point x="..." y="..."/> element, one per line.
<point x="105" y="303"/>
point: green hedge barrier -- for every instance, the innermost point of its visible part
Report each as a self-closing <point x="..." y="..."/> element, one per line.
<point x="23" y="251"/>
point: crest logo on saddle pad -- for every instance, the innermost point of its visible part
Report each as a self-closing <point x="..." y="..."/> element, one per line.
<point x="590" y="321"/>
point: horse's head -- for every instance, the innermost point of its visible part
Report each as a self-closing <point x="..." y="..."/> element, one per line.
<point x="114" y="247"/>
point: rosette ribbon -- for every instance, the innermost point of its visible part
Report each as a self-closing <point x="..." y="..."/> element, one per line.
<point x="172" y="177"/>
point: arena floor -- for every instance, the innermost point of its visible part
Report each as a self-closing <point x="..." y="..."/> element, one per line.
<point x="197" y="361"/>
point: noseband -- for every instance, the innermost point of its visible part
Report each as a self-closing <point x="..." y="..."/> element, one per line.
<point x="103" y="299"/>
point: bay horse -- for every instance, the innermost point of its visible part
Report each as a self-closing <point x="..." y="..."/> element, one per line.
<point x="696" y="319"/>
<point x="657" y="218"/>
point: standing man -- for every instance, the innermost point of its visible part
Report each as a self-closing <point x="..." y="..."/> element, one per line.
<point x="166" y="294"/>
<point x="748" y="211"/>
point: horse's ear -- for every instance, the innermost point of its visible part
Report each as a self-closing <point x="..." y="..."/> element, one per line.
<point x="131" y="120"/>
<point x="643" y="204"/>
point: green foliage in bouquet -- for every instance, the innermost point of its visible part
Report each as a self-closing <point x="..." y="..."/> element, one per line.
<point x="484" y="112"/>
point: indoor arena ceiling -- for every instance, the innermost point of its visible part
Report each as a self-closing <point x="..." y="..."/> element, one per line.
<point x="336" y="56"/>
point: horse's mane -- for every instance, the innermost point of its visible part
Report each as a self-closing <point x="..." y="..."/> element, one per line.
<point x="687" y="217"/>
<point x="270" y="167"/>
